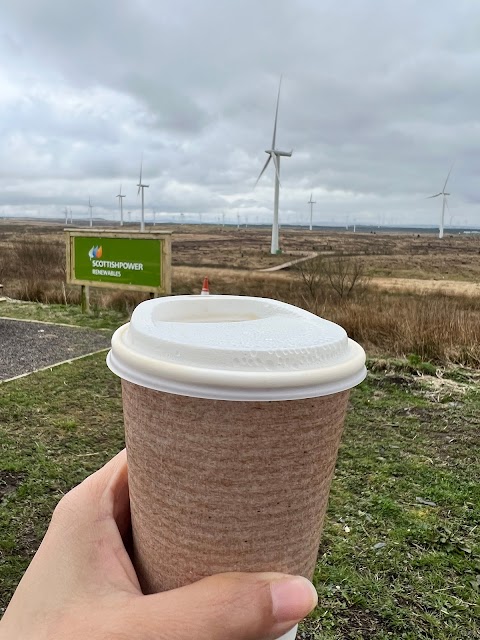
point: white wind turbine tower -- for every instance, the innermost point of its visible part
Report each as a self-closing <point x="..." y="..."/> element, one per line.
<point x="142" y="186"/>
<point x="274" y="154"/>
<point x="90" y="206"/>
<point x="120" y="200"/>
<point x="311" y="202"/>
<point x="66" y="215"/>
<point x="444" y="195"/>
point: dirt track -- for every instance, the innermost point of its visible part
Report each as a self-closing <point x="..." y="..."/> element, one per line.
<point x="415" y="285"/>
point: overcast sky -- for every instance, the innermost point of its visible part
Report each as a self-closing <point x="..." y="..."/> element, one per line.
<point x="379" y="97"/>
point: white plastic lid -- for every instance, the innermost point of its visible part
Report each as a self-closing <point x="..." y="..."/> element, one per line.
<point x="234" y="348"/>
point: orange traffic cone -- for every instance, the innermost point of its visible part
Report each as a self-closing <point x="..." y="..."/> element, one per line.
<point x="205" y="289"/>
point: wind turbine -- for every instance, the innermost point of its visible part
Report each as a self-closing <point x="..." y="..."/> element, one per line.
<point x="311" y="202"/>
<point x="71" y="216"/>
<point x="142" y="186"/>
<point x="274" y="154"/>
<point x="66" y="215"/>
<point x="120" y="200"/>
<point x="444" y="195"/>
<point x="90" y="206"/>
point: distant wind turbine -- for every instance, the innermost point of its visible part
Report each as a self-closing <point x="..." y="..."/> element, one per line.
<point x="120" y="200"/>
<point x="90" y="206"/>
<point x="444" y="195"/>
<point x="142" y="186"/>
<point x="71" y="216"/>
<point x="311" y="202"/>
<point x="66" y="215"/>
<point x="274" y="154"/>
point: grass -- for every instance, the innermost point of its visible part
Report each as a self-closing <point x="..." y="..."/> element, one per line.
<point x="71" y="314"/>
<point x="390" y="565"/>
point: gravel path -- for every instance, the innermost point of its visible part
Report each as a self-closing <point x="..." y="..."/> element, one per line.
<point x="27" y="346"/>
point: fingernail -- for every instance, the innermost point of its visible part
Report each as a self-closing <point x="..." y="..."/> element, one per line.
<point x="292" y="598"/>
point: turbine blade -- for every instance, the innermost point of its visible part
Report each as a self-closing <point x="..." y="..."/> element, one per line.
<point x="446" y="202"/>
<point x="435" y="196"/>
<point x="263" y="170"/>
<point x="141" y="167"/>
<point x="448" y="177"/>
<point x="139" y="187"/>
<point x="276" y="115"/>
<point x="120" y="192"/>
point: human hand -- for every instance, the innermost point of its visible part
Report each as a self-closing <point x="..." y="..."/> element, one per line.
<point x="82" y="584"/>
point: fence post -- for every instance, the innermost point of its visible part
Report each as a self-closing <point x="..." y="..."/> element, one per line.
<point x="85" y="297"/>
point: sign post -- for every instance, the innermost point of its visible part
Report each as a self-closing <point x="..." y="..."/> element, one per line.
<point x="120" y="259"/>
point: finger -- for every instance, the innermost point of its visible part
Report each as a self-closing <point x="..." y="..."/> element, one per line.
<point x="93" y="522"/>
<point x="104" y="494"/>
<point x="237" y="606"/>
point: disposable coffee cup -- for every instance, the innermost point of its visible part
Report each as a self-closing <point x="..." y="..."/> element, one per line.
<point x="234" y="408"/>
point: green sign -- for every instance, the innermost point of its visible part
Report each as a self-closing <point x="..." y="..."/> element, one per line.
<point x="122" y="261"/>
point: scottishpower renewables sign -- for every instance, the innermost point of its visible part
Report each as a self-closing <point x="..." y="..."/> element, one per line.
<point x="122" y="259"/>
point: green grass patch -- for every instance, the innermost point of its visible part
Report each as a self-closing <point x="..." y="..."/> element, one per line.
<point x="400" y="552"/>
<point x="98" y="318"/>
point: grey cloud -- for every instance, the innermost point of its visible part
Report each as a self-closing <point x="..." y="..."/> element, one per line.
<point x="378" y="99"/>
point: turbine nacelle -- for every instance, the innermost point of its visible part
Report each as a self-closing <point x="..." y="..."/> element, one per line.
<point x="271" y="152"/>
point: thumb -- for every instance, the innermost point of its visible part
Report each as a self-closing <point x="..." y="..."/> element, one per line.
<point x="237" y="606"/>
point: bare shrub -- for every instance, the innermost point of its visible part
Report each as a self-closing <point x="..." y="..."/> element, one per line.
<point x="312" y="277"/>
<point x="35" y="270"/>
<point x="39" y="259"/>
<point x="345" y="275"/>
<point x="324" y="277"/>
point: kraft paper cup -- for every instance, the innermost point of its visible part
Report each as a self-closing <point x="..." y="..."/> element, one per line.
<point x="234" y="409"/>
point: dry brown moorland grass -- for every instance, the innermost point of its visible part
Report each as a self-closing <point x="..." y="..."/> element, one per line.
<point x="435" y="326"/>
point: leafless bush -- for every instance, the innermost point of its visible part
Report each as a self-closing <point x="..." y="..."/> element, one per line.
<point x="312" y="276"/>
<point x="345" y="275"/>
<point x="322" y="276"/>
<point x="38" y="259"/>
